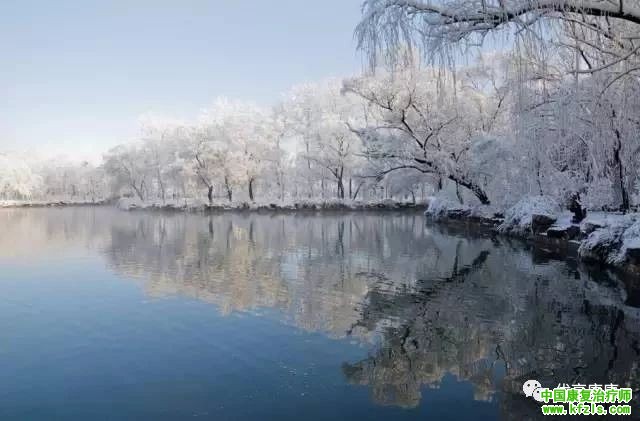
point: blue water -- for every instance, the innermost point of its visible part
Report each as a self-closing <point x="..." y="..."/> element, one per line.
<point x="111" y="315"/>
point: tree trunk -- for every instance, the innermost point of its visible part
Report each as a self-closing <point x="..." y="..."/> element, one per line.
<point x="619" y="167"/>
<point x="538" y="176"/>
<point x="161" y="186"/>
<point x="138" y="191"/>
<point x="357" y="191"/>
<point x="340" y="189"/>
<point x="227" y="186"/>
<point x="210" y="194"/>
<point x="251" y="189"/>
<point x="458" y="193"/>
<point x="473" y="187"/>
<point x="341" y="183"/>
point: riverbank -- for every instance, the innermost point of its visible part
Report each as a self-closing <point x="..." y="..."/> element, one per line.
<point x="50" y="203"/>
<point x="128" y="204"/>
<point x="606" y="238"/>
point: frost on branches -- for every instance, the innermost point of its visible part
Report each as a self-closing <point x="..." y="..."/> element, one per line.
<point x="573" y="73"/>
<point x="519" y="219"/>
<point x="550" y="111"/>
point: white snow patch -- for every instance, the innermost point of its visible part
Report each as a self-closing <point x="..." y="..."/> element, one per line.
<point x="128" y="203"/>
<point x="438" y="207"/>
<point x="518" y="218"/>
<point x="484" y="211"/>
<point x="630" y="240"/>
<point x="609" y="244"/>
<point x="602" y="219"/>
<point x="564" y="221"/>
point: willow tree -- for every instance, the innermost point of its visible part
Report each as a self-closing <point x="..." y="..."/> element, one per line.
<point x="599" y="27"/>
<point x="579" y="67"/>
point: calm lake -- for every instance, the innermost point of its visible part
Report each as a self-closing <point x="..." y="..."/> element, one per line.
<point x="151" y="316"/>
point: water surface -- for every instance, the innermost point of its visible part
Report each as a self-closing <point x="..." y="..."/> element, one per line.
<point x="114" y="315"/>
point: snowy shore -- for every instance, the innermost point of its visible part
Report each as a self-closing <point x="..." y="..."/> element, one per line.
<point x="49" y="204"/>
<point x="129" y="204"/>
<point x="606" y="238"/>
<point x="190" y="205"/>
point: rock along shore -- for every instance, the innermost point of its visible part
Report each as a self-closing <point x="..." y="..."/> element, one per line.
<point x="604" y="238"/>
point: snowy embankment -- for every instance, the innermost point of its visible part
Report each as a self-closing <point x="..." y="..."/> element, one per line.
<point x="611" y="239"/>
<point x="602" y="237"/>
<point x="48" y="203"/>
<point x="130" y="204"/>
<point x="444" y="209"/>
<point x="530" y="215"/>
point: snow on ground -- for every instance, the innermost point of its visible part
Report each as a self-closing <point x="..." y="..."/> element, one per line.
<point x="484" y="211"/>
<point x="613" y="239"/>
<point x="10" y="203"/>
<point x="564" y="221"/>
<point x="131" y="203"/>
<point x="128" y="203"/>
<point x="440" y="207"/>
<point x="42" y="203"/>
<point x="599" y="218"/>
<point x="610" y="238"/>
<point x="630" y="241"/>
<point x="518" y="218"/>
<point x="607" y="242"/>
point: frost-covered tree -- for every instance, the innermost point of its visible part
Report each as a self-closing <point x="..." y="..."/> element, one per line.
<point x="418" y="124"/>
<point x="203" y="153"/>
<point x="129" y="167"/>
<point x="575" y="63"/>
<point x="598" y="27"/>
<point x="301" y="109"/>
<point x="160" y="147"/>
<point x="17" y="180"/>
<point x="280" y="157"/>
<point x="328" y="151"/>
<point x="241" y="136"/>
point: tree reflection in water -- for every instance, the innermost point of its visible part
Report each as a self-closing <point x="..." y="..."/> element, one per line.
<point x="428" y="302"/>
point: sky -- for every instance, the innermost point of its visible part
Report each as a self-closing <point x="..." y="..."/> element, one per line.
<point x="75" y="76"/>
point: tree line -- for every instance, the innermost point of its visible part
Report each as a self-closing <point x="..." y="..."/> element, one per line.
<point x="553" y="112"/>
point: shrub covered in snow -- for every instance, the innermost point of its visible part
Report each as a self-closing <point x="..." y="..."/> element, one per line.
<point x="484" y="212"/>
<point x="610" y="243"/>
<point x="518" y="219"/>
<point x="439" y="207"/>
<point x="630" y="241"/>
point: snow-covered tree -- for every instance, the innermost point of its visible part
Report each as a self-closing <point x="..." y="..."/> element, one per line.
<point x="328" y="151"/>
<point x="17" y="180"/>
<point x="239" y="139"/>
<point x="597" y="27"/>
<point x="574" y="81"/>
<point x="418" y="124"/>
<point x="129" y="167"/>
